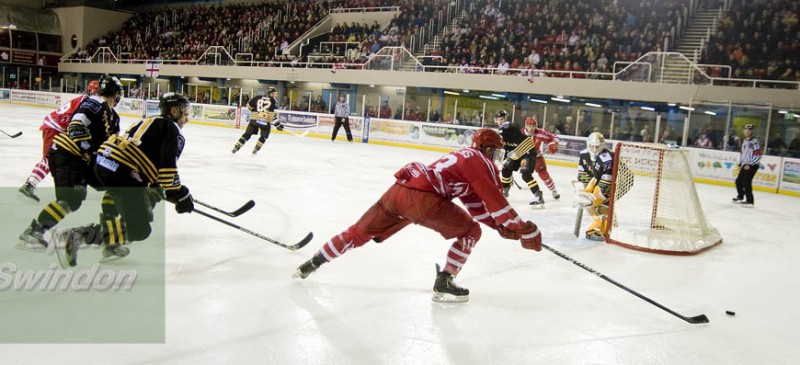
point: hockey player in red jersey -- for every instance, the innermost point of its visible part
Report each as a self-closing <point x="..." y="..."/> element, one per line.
<point x="54" y="123"/>
<point x="422" y="195"/>
<point x="541" y="138"/>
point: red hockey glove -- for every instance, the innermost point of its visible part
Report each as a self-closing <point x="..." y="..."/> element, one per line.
<point x="552" y="147"/>
<point x="530" y="237"/>
<point x="508" y="233"/>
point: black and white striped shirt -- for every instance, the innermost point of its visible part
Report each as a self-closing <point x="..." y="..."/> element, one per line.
<point x="342" y="109"/>
<point x="751" y="152"/>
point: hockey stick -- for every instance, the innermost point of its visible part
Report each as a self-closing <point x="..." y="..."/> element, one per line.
<point x="578" y="216"/>
<point x="693" y="320"/>
<point x="293" y="247"/>
<point x="244" y="208"/>
<point x="15" y="135"/>
<point x="515" y="182"/>
<point x="303" y="134"/>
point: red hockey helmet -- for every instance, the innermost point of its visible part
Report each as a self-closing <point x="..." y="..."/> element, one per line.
<point x="487" y="138"/>
<point x="531" y="121"/>
<point x="93" y="87"/>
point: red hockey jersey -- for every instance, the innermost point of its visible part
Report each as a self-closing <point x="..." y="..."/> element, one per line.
<point x="472" y="177"/>
<point x="59" y="119"/>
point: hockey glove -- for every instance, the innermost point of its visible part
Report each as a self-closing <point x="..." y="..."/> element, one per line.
<point x="182" y="199"/>
<point x="552" y="147"/>
<point x="530" y="237"/>
<point x="278" y="126"/>
<point x="508" y="233"/>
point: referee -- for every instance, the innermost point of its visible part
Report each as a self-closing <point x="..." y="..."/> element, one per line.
<point x="341" y="112"/>
<point x="748" y="166"/>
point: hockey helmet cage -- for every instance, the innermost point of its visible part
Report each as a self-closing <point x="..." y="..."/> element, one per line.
<point x="110" y="86"/>
<point x="93" y="87"/>
<point x="271" y="90"/>
<point x="501" y="113"/>
<point x="596" y="142"/>
<point x="531" y="121"/>
<point x="170" y="100"/>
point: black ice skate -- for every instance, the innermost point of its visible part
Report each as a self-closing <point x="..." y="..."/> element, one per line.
<point x="505" y="190"/>
<point x="538" y="202"/>
<point x="446" y="291"/>
<point x="27" y="190"/>
<point x="305" y="269"/>
<point x="66" y="247"/>
<point x="113" y="253"/>
<point x="32" y="238"/>
<point x="595" y="236"/>
<point x="738" y="200"/>
<point x="556" y="195"/>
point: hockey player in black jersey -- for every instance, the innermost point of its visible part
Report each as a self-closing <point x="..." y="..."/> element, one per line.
<point x="71" y="159"/>
<point x="136" y="168"/>
<point x="518" y="147"/>
<point x="262" y="117"/>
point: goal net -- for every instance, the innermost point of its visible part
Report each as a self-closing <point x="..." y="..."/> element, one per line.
<point x="654" y="205"/>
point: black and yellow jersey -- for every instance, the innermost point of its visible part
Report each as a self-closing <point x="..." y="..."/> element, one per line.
<point x="600" y="169"/>
<point x="516" y="143"/>
<point x="262" y="108"/>
<point x="92" y="124"/>
<point x="151" y="148"/>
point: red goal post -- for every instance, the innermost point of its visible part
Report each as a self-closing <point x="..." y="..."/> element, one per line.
<point x="653" y="204"/>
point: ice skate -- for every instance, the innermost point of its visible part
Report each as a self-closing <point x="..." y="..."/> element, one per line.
<point x="446" y="291"/>
<point x="236" y="148"/>
<point x="66" y="247"/>
<point x="113" y="253"/>
<point x="27" y="190"/>
<point x="738" y="200"/>
<point x="556" y="195"/>
<point x="747" y="205"/>
<point x="538" y="202"/>
<point x="505" y="190"/>
<point x="32" y="238"/>
<point x="305" y="269"/>
<point x="595" y="236"/>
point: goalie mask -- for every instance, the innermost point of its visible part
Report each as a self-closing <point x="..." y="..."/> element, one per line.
<point x="595" y="143"/>
<point x="484" y="139"/>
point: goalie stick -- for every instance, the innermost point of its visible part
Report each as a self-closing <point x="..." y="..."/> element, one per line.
<point x="293" y="247"/>
<point x="579" y="215"/>
<point x="243" y="209"/>
<point x="701" y="318"/>
<point x="15" y="135"/>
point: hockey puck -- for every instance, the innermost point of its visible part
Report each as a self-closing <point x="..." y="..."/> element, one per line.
<point x="730" y="313"/>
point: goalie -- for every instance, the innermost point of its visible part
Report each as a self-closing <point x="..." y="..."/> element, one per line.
<point x="595" y="171"/>
<point x="262" y="118"/>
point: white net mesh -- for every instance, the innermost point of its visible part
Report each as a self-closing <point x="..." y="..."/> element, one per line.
<point x="654" y="204"/>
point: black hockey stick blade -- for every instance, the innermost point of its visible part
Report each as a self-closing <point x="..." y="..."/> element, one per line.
<point x="698" y="319"/>
<point x="15" y="135"/>
<point x="244" y="208"/>
<point x="293" y="247"/>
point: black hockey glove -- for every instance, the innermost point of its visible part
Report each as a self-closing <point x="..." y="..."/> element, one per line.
<point x="279" y="126"/>
<point x="182" y="199"/>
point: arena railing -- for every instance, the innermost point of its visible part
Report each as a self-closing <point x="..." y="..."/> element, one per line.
<point x="401" y="59"/>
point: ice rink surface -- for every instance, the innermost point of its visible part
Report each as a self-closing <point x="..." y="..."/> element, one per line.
<point x="230" y="297"/>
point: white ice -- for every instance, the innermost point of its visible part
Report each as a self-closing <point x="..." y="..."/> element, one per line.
<point x="230" y="297"/>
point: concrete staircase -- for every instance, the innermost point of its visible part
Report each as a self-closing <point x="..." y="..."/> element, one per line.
<point x="681" y="70"/>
